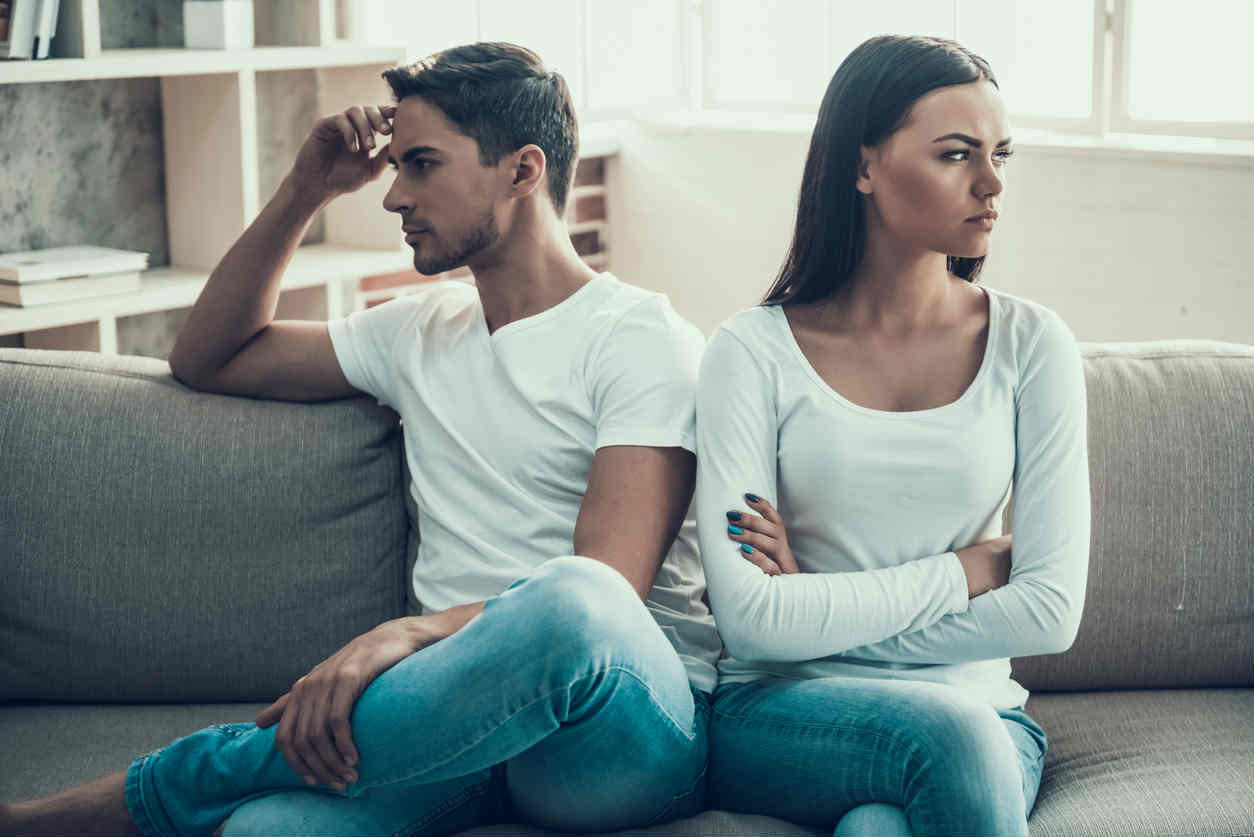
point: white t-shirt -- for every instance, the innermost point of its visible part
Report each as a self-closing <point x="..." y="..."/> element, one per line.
<point x="501" y="430"/>
<point x="875" y="503"/>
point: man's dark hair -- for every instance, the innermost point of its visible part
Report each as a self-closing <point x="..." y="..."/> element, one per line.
<point x="867" y="100"/>
<point x="503" y="97"/>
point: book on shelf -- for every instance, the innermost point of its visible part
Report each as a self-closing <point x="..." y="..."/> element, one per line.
<point x="27" y="27"/>
<point x="73" y="262"/>
<point x="69" y="290"/>
<point x="47" y="27"/>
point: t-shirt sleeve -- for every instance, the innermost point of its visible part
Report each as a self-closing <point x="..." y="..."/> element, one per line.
<point x="643" y="379"/>
<point x="800" y="616"/>
<point x="1038" y="611"/>
<point x="364" y="342"/>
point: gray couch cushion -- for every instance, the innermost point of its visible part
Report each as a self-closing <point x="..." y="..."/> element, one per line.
<point x="49" y="747"/>
<point x="162" y="544"/>
<point x="1126" y="764"/>
<point x="1170" y="599"/>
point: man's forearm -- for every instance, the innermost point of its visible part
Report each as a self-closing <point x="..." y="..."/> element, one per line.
<point x="242" y="293"/>
<point x="433" y="627"/>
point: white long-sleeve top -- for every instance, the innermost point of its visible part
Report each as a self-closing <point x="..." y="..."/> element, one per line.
<point x="876" y="503"/>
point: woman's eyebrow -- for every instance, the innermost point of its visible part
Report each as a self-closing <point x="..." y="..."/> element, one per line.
<point x="970" y="140"/>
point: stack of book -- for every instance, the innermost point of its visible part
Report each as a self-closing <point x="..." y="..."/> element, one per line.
<point x="63" y="274"/>
<point x="27" y="27"/>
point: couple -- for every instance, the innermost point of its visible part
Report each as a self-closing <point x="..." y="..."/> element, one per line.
<point x="856" y="439"/>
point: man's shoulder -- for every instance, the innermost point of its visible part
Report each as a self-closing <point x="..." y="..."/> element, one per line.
<point x="627" y="308"/>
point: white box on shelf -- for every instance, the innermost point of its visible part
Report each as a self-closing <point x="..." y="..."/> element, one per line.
<point x="218" y="24"/>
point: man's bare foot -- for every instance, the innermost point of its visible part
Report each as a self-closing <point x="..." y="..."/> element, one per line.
<point x="97" y="807"/>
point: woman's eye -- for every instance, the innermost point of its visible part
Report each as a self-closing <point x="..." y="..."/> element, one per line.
<point x="1003" y="156"/>
<point x="949" y="155"/>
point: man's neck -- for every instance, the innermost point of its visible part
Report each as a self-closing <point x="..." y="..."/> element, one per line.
<point x="532" y="271"/>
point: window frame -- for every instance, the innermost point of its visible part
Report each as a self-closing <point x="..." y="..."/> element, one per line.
<point x="1091" y="124"/>
<point x="1121" y="120"/>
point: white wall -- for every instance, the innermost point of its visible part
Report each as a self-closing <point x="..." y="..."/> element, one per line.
<point x="1124" y="247"/>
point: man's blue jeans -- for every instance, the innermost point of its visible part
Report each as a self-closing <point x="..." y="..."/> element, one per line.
<point x="562" y="704"/>
<point x="874" y="757"/>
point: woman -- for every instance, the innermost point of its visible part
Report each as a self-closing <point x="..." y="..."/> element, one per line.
<point x="859" y="435"/>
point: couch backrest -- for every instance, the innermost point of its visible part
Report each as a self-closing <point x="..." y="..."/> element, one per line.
<point x="1170" y="597"/>
<point x="162" y="544"/>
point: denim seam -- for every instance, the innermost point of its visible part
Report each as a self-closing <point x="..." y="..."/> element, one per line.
<point x="796" y="725"/>
<point x="446" y="807"/>
<point x="362" y="786"/>
<point x="657" y="818"/>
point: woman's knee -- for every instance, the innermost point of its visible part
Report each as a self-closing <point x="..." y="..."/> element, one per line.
<point x="877" y="818"/>
<point x="965" y="754"/>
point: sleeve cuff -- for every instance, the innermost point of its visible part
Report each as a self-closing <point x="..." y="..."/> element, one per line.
<point x="687" y="441"/>
<point x="958" y="601"/>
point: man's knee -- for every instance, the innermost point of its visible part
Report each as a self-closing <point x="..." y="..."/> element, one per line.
<point x="581" y="604"/>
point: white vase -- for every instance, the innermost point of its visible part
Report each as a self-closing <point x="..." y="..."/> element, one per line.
<point x="218" y="24"/>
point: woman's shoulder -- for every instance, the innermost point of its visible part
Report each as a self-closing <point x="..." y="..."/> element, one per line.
<point x="755" y="337"/>
<point x="755" y="325"/>
<point x="1029" y="327"/>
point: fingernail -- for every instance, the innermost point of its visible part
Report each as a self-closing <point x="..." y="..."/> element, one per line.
<point x="735" y="530"/>
<point x="746" y="549"/>
<point x="733" y="515"/>
<point x="339" y="786"/>
<point x="352" y="776"/>
<point x="309" y="780"/>
<point x="752" y="498"/>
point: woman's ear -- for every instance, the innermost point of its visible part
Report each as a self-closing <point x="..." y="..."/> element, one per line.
<point x="866" y="158"/>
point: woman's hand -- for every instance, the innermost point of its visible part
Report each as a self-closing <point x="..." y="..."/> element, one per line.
<point x="987" y="565"/>
<point x="762" y="537"/>
<point x="314" y="734"/>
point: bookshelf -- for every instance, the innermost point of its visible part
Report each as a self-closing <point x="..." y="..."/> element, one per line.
<point x="212" y="148"/>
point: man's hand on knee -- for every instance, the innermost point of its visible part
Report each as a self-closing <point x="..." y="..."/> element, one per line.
<point x="314" y="733"/>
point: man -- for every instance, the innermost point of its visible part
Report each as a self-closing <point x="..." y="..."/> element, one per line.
<point x="560" y="670"/>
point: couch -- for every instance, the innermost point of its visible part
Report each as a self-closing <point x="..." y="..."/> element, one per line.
<point x="172" y="558"/>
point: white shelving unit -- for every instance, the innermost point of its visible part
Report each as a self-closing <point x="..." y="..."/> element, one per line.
<point x="211" y="142"/>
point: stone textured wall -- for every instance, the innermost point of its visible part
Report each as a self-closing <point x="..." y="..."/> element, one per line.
<point x="83" y="162"/>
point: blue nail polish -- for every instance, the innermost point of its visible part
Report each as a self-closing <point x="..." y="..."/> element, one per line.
<point x="752" y="498"/>
<point x="733" y="515"/>
<point x="735" y="530"/>
<point x="746" y="549"/>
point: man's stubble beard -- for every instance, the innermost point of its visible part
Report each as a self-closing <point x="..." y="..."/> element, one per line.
<point x="480" y="237"/>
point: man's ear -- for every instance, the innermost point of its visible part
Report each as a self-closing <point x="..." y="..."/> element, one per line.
<point x="529" y="168"/>
<point x="867" y="157"/>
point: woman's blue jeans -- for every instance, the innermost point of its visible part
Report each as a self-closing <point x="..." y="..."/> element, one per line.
<point x="562" y="704"/>
<point x="874" y="757"/>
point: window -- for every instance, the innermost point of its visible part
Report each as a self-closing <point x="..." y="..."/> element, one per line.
<point x="1184" y="68"/>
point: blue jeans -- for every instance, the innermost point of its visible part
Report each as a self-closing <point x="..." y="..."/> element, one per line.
<point x="562" y="704"/>
<point x="881" y="757"/>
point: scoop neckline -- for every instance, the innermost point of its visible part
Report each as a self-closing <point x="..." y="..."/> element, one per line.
<point x="994" y="322"/>
<point x="548" y="313"/>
